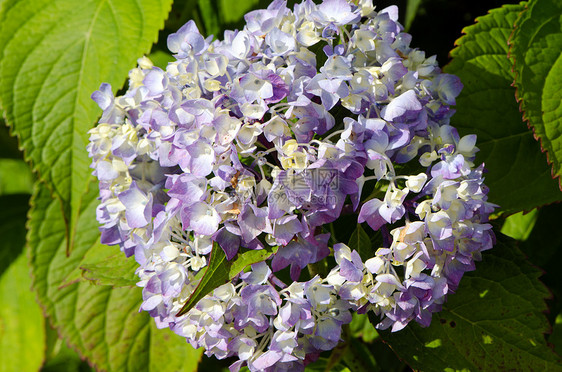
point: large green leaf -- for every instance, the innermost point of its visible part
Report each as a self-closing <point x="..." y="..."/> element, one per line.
<point x="22" y="329"/>
<point x="494" y="322"/>
<point x="536" y="50"/>
<point x="53" y="55"/>
<point x="219" y="271"/>
<point x="101" y="322"/>
<point x="519" y="176"/>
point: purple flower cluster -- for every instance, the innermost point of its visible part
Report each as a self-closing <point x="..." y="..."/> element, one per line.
<point x="262" y="139"/>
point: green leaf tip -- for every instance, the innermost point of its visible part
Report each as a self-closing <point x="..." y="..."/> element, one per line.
<point x="219" y="271"/>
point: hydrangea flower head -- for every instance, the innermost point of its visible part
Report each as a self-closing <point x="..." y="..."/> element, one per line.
<point x="263" y="139"/>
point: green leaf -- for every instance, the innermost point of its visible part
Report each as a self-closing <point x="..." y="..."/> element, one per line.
<point x="102" y="323"/>
<point x="219" y="271"/>
<point x="15" y="177"/>
<point x="519" y="226"/>
<point x="361" y="327"/>
<point x="494" y="322"/>
<point x="412" y="7"/>
<point x="161" y="59"/>
<point x="104" y="265"/>
<point x="536" y="51"/>
<point x="210" y="16"/>
<point x="170" y="352"/>
<point x="361" y="242"/>
<point x="115" y="270"/>
<point x="519" y="176"/>
<point x="53" y="55"/>
<point x="22" y="328"/>
<point x="220" y="15"/>
<point x="181" y="12"/>
<point x="232" y="12"/>
<point x="12" y="228"/>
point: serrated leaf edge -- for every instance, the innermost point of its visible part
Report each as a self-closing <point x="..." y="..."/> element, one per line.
<point x="28" y="249"/>
<point x="554" y="175"/>
<point x="41" y="182"/>
<point x="452" y="54"/>
<point x="465" y="31"/>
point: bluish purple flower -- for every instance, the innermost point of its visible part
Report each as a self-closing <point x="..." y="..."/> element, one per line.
<point x="250" y="142"/>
